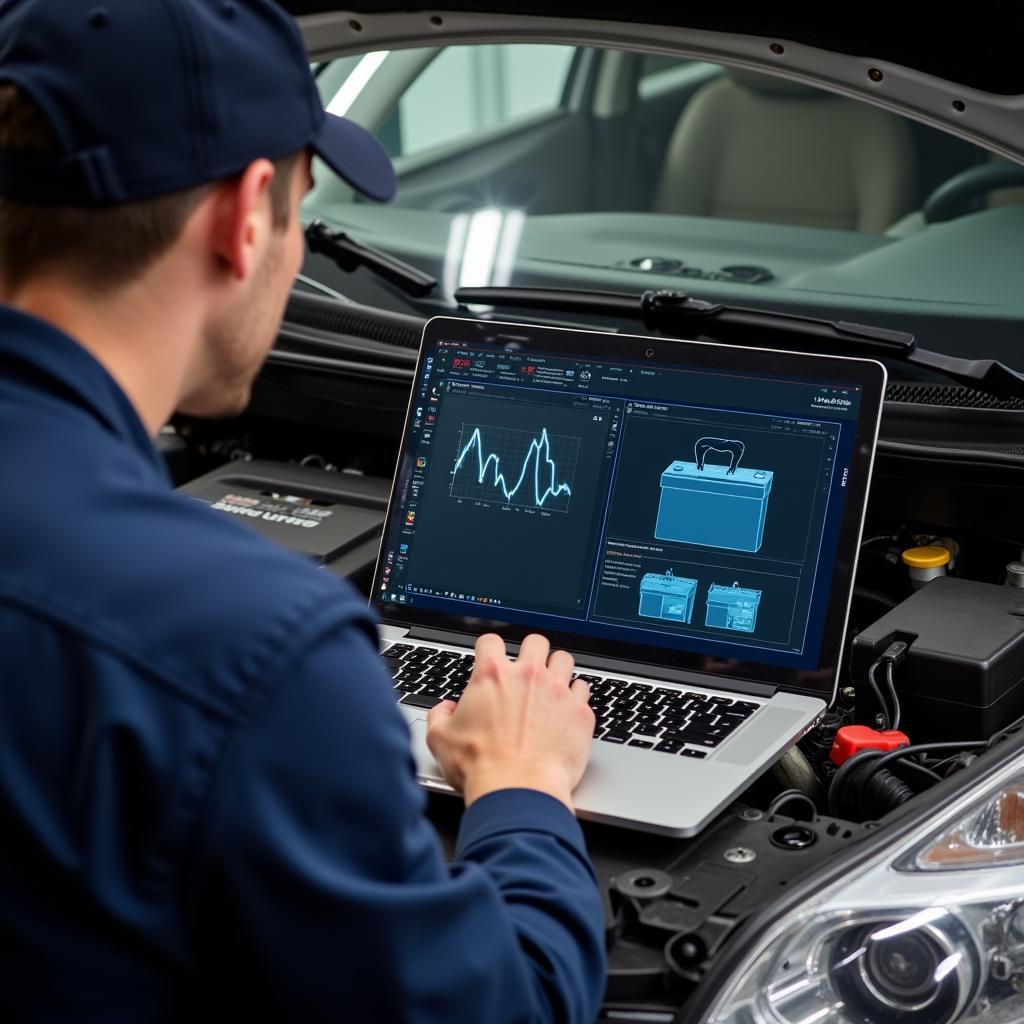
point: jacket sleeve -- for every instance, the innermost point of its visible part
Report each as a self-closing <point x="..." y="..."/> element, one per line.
<point x="319" y="889"/>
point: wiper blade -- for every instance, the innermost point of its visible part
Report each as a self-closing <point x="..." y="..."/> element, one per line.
<point x="678" y="314"/>
<point x="350" y="255"/>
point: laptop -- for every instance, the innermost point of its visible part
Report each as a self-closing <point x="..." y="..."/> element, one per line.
<point x="683" y="517"/>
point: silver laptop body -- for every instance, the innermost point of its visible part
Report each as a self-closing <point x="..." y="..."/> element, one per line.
<point x="706" y="514"/>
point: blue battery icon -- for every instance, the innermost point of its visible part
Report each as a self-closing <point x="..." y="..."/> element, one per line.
<point x="669" y="597"/>
<point x="732" y="608"/>
<point x="711" y="504"/>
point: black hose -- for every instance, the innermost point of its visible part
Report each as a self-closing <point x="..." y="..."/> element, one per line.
<point x="843" y="774"/>
<point x="880" y="791"/>
<point x="876" y="690"/>
<point x="881" y="759"/>
<point x="920" y="748"/>
<point x="789" y="795"/>
<point x="931" y="775"/>
<point x="891" y="684"/>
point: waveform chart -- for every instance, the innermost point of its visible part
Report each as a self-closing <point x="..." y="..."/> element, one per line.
<point x="524" y="468"/>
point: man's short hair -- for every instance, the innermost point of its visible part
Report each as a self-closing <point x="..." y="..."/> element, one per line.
<point x="101" y="248"/>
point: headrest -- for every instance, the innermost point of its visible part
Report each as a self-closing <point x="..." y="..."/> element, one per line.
<point x="771" y="85"/>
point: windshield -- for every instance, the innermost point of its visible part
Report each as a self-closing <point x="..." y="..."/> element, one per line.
<point x="562" y="166"/>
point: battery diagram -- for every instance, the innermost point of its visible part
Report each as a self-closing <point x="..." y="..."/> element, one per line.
<point x="712" y="504"/>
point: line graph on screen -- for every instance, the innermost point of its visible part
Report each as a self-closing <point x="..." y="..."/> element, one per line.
<point x="524" y="468"/>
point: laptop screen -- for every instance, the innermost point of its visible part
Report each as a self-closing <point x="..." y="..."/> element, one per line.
<point x="675" y="501"/>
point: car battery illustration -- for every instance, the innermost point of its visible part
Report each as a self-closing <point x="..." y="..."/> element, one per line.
<point x="711" y="504"/>
<point x="732" y="607"/>
<point x="667" y="597"/>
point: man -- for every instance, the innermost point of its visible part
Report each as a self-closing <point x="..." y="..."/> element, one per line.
<point x="206" y="795"/>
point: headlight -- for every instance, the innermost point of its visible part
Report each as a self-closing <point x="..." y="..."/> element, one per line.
<point x="922" y="967"/>
<point x="930" y="931"/>
<point x="993" y="834"/>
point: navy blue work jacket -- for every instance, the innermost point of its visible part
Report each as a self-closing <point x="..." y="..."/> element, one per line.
<point x="207" y="801"/>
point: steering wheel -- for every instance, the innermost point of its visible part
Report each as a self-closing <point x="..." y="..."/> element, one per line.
<point x="955" y="197"/>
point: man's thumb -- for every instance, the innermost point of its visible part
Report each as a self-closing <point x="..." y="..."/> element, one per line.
<point x="438" y="715"/>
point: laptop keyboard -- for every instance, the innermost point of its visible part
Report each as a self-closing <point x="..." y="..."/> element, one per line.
<point x="643" y="715"/>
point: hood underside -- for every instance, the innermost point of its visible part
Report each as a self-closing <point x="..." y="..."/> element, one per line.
<point x="977" y="47"/>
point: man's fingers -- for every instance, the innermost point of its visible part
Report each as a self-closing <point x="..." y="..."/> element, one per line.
<point x="580" y="690"/>
<point x="562" y="663"/>
<point x="490" y="647"/>
<point x="535" y="649"/>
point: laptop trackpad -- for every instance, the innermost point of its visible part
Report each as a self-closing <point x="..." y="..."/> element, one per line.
<point x="760" y="733"/>
<point x="426" y="766"/>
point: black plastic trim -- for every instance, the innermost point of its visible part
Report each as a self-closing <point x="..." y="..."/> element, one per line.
<point x="346" y="367"/>
<point x="325" y="314"/>
<point x="899" y="825"/>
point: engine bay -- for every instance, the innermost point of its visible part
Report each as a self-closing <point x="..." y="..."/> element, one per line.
<point x="932" y="678"/>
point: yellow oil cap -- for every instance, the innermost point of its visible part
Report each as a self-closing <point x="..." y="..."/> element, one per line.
<point x="931" y="557"/>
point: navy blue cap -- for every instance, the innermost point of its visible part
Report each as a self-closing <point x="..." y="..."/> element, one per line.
<point x="147" y="97"/>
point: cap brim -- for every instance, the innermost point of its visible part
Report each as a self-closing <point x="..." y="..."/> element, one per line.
<point x="355" y="154"/>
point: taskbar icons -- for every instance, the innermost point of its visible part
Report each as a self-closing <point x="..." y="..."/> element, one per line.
<point x="453" y="595"/>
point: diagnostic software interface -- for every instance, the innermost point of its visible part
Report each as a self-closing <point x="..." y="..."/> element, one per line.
<point x="651" y="504"/>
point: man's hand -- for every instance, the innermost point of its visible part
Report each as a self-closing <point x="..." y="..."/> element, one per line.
<point x="519" y="724"/>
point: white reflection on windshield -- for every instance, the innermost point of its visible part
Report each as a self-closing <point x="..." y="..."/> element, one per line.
<point x="482" y="248"/>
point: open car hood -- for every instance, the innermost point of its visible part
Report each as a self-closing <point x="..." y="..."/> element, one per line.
<point x="964" y="76"/>
<point x="980" y="49"/>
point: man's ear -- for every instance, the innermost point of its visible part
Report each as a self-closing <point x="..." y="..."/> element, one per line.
<point x="242" y="218"/>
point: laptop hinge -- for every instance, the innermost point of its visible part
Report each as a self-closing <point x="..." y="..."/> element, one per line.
<point x="628" y="668"/>
<point x="450" y="636"/>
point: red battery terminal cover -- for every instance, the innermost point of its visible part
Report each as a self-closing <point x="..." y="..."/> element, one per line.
<point x="852" y="739"/>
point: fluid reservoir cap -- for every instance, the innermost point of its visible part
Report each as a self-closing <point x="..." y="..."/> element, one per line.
<point x="931" y="557"/>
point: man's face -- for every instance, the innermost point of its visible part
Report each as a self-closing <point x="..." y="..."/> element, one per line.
<point x="238" y="342"/>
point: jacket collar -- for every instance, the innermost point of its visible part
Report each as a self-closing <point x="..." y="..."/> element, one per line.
<point x="46" y="359"/>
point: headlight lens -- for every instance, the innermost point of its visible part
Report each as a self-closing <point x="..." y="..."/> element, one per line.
<point x="918" y="971"/>
<point x="929" y="933"/>
<point x="922" y="966"/>
<point x="993" y="834"/>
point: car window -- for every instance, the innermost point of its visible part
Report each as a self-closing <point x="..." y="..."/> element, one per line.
<point x="601" y="164"/>
<point x="464" y="90"/>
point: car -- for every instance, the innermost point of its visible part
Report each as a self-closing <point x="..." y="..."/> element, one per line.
<point x="844" y="188"/>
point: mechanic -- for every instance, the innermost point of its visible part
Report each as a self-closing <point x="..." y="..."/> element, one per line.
<point x="207" y="801"/>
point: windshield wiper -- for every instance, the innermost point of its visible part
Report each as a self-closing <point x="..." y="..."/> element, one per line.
<point x="350" y="255"/>
<point x="678" y="314"/>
